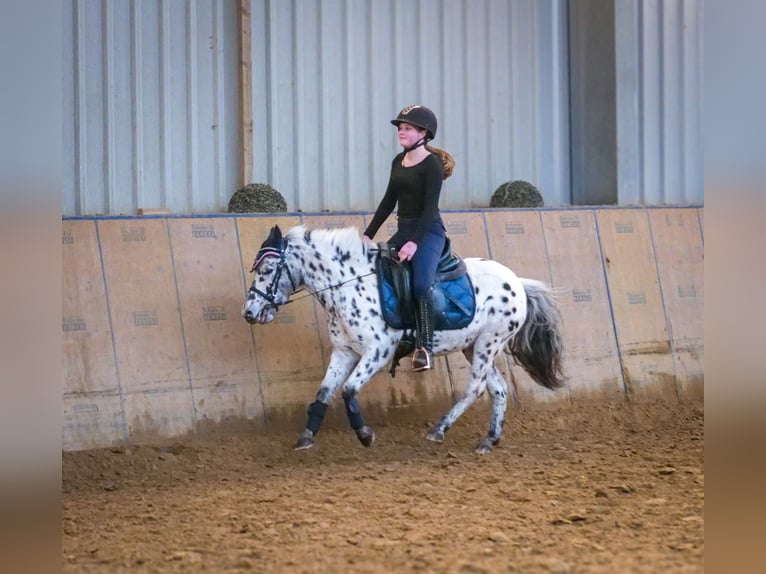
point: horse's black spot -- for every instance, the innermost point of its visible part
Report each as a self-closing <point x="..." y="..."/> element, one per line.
<point x="491" y="310"/>
<point x="374" y="312"/>
<point x="377" y="337"/>
<point x="307" y="236"/>
<point x="377" y="355"/>
<point x="477" y="290"/>
<point x="352" y="270"/>
<point x="513" y="294"/>
<point x="490" y="297"/>
<point x="507" y="287"/>
<point x="507" y="313"/>
<point x="513" y="310"/>
<point x="385" y="353"/>
<point x="483" y="357"/>
<point x="504" y="299"/>
<point x="312" y="266"/>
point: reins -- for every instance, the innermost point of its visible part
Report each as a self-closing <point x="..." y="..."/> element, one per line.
<point x="310" y="292"/>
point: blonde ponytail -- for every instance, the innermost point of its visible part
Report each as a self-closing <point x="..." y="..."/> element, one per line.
<point x="447" y="162"/>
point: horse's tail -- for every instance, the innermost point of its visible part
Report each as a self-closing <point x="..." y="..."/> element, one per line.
<point x="537" y="345"/>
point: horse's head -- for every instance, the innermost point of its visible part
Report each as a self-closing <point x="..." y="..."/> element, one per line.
<point x="273" y="282"/>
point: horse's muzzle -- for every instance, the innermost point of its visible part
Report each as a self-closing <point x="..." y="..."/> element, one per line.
<point x="265" y="315"/>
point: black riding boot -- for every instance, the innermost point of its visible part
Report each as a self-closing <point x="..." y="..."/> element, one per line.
<point x="424" y="319"/>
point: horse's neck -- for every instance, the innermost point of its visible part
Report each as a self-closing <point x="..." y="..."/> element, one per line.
<point x="323" y="268"/>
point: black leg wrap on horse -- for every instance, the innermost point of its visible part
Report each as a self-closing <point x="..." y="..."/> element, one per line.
<point x="316" y="412"/>
<point x="355" y="418"/>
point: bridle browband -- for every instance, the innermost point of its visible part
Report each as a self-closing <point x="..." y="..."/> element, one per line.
<point x="270" y="293"/>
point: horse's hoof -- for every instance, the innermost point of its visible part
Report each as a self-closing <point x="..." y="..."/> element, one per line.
<point x="306" y="440"/>
<point x="485" y="446"/>
<point x="436" y="435"/>
<point x="366" y="436"/>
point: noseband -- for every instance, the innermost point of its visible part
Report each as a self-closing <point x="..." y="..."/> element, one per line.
<point x="271" y="290"/>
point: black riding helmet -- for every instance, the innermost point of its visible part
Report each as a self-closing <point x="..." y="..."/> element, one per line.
<point x="419" y="116"/>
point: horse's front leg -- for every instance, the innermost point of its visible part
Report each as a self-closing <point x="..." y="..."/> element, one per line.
<point x="371" y="362"/>
<point x="342" y="363"/>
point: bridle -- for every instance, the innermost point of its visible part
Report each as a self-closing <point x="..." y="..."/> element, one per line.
<point x="271" y="290"/>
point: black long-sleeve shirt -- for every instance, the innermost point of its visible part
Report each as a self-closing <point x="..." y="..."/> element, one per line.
<point x="416" y="189"/>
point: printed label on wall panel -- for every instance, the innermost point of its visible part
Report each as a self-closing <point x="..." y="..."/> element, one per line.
<point x="203" y="231"/>
<point x="67" y="238"/>
<point x="334" y="224"/>
<point x="213" y="313"/>
<point x="133" y="234"/>
<point x="626" y="227"/>
<point x="74" y="324"/>
<point x="636" y="298"/>
<point x="457" y="228"/>
<point x="581" y="295"/>
<point x="569" y="221"/>
<point x="687" y="291"/>
<point x="674" y="220"/>
<point x="145" y="318"/>
<point x="514" y="228"/>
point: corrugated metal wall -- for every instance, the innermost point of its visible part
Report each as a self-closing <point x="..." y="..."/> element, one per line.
<point x="152" y="112"/>
<point x="151" y="109"/>
<point x="659" y="101"/>
<point x="328" y="76"/>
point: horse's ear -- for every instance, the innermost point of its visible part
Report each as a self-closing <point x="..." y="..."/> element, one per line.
<point x="275" y="237"/>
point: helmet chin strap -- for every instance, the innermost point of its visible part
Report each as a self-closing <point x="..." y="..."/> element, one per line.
<point x="422" y="141"/>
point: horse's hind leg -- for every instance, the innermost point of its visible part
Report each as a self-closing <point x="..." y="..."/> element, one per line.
<point x="473" y="391"/>
<point x="499" y="390"/>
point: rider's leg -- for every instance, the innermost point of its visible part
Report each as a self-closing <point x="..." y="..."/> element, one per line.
<point x="424" y="319"/>
<point x="424" y="265"/>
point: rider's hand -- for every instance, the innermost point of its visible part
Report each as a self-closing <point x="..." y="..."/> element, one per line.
<point x="407" y="252"/>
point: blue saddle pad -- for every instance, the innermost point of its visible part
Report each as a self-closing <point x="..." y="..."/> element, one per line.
<point x="454" y="299"/>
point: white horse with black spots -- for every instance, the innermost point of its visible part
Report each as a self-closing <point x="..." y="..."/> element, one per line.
<point x="338" y="268"/>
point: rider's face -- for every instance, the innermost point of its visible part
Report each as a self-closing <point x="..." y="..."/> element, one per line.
<point x="409" y="135"/>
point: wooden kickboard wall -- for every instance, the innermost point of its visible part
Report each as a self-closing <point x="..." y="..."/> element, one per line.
<point x="154" y="344"/>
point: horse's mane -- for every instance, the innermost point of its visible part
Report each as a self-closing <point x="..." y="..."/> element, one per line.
<point x="345" y="237"/>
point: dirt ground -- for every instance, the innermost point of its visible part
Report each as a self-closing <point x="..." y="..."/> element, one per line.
<point x="579" y="488"/>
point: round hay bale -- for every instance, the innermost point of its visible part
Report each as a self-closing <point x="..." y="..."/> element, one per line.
<point x="516" y="194"/>
<point x="257" y="198"/>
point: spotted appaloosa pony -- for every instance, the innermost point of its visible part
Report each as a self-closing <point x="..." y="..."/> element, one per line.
<point x="339" y="270"/>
